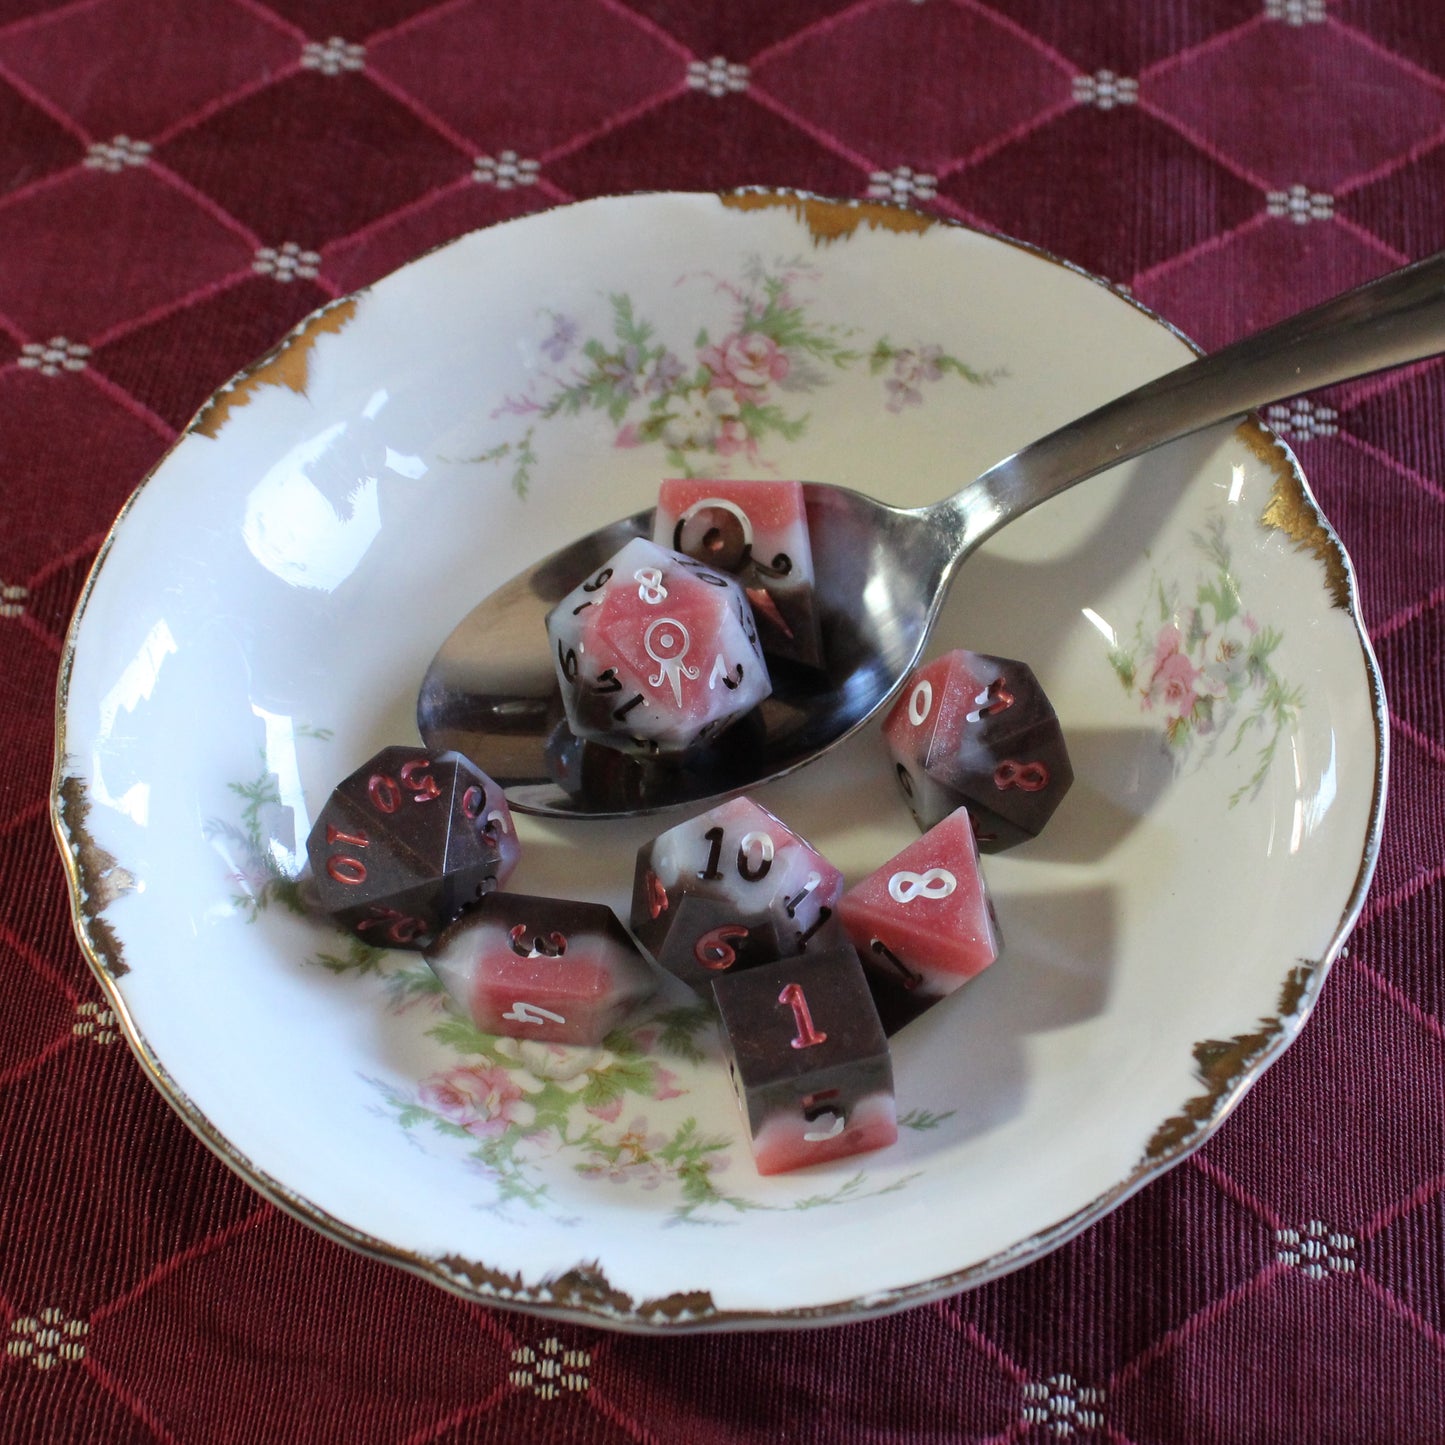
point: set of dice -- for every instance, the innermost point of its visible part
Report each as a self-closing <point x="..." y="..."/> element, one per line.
<point x="657" y="653"/>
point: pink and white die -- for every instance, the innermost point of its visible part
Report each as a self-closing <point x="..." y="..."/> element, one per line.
<point x="922" y="923"/>
<point x="656" y="653"/>
<point x="758" y="532"/>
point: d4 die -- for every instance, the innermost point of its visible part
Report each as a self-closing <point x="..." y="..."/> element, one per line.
<point x="922" y="923"/>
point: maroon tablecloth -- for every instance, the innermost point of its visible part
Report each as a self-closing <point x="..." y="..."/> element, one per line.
<point x="181" y="180"/>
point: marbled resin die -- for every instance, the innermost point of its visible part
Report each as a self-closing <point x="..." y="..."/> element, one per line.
<point x="758" y="532"/>
<point x="554" y="969"/>
<point x="808" y="1059"/>
<point x="970" y="729"/>
<point x="656" y="654"/>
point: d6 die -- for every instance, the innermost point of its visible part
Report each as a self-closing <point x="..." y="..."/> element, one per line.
<point x="656" y="653"/>
<point x="406" y="842"/>
<point x="552" y="969"/>
<point x="729" y="890"/>
<point x="808" y="1059"/>
<point x="923" y="924"/>
<point x="974" y="730"/>
<point x="758" y="531"/>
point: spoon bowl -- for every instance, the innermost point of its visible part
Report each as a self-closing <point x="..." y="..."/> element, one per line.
<point x="882" y="573"/>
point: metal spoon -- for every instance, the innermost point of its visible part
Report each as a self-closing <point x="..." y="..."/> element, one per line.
<point x="882" y="573"/>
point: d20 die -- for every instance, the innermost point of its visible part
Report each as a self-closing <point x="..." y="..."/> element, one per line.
<point x="922" y="923"/>
<point x="808" y="1059"/>
<point x="758" y="532"/>
<point x="406" y="842"/>
<point x="977" y="731"/>
<point x="553" y="969"/>
<point x="656" y="654"/>
<point x="728" y="890"/>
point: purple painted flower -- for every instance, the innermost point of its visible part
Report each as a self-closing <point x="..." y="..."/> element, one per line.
<point x="911" y="368"/>
<point x="667" y="371"/>
<point x="564" y="334"/>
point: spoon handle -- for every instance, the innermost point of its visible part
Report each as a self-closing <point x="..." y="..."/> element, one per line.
<point x="1396" y="319"/>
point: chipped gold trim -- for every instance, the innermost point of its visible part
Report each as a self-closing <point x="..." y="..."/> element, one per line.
<point x="829" y="221"/>
<point x="1226" y="1065"/>
<point x="97" y="878"/>
<point x="288" y="365"/>
<point x="584" y="1294"/>
<point x="1292" y="510"/>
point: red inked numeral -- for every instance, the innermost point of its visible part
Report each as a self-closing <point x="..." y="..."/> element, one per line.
<point x="714" y="951"/>
<point x="416" y="778"/>
<point x="657" y="900"/>
<point x="342" y="867"/>
<point x="384" y="794"/>
<point x="807" y="1035"/>
<point x="1030" y="777"/>
<point x="400" y="927"/>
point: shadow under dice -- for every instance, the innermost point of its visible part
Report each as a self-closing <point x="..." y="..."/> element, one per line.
<point x="978" y="731"/>
<point x="406" y="842"/>
<point x="808" y="1059"/>
<point x="922" y="923"/>
<point x="730" y="890"/>
<point x="758" y="532"/>
<point x="553" y="969"/>
<point x="656" y="654"/>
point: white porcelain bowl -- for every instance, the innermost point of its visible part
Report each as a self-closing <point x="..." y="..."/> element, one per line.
<point x="260" y="618"/>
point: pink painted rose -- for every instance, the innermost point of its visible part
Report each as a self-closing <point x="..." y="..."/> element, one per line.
<point x="665" y="1086"/>
<point x="746" y="363"/>
<point x="482" y="1099"/>
<point x="1173" y="686"/>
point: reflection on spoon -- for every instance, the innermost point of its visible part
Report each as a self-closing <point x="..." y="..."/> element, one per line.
<point x="882" y="573"/>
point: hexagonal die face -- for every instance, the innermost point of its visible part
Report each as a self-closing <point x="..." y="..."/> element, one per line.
<point x="656" y="654"/>
<point x="553" y="969"/>
<point x="808" y="1059"/>
<point x="406" y="842"/>
<point x="922" y="923"/>
<point x="758" y="532"/>
<point x="971" y="729"/>
<point x="729" y="890"/>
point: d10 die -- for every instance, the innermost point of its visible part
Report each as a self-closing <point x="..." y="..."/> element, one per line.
<point x="729" y="890"/>
<point x="406" y="842"/>
<point x="542" y="968"/>
<point x="758" y="531"/>
<point x="656" y="653"/>
<point x="808" y="1059"/>
<point x="978" y="731"/>
<point x="922" y="923"/>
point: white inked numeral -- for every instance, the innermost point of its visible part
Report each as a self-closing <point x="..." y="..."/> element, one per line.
<point x="650" y="588"/>
<point x="905" y="885"/>
<point x="827" y="1125"/>
<point x="920" y="703"/>
<point x="531" y="1013"/>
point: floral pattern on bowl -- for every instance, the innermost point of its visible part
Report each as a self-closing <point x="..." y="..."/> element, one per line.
<point x="731" y="394"/>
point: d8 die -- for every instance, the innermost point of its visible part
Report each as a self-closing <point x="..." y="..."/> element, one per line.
<point x="729" y="890"/>
<point x="978" y="731"/>
<point x="656" y="653"/>
<point x="758" y="531"/>
<point x="406" y="842"/>
<point x="542" y="968"/>
<point x="808" y="1059"/>
<point x="922" y="923"/>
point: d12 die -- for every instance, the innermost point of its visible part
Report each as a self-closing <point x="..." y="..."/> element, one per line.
<point x="974" y="730"/>
<point x="729" y="890"/>
<point x="922" y="923"/>
<point x="542" y="968"/>
<point x="656" y="653"/>
<point x="758" y="531"/>
<point x="406" y="842"/>
<point x="809" y="1060"/>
